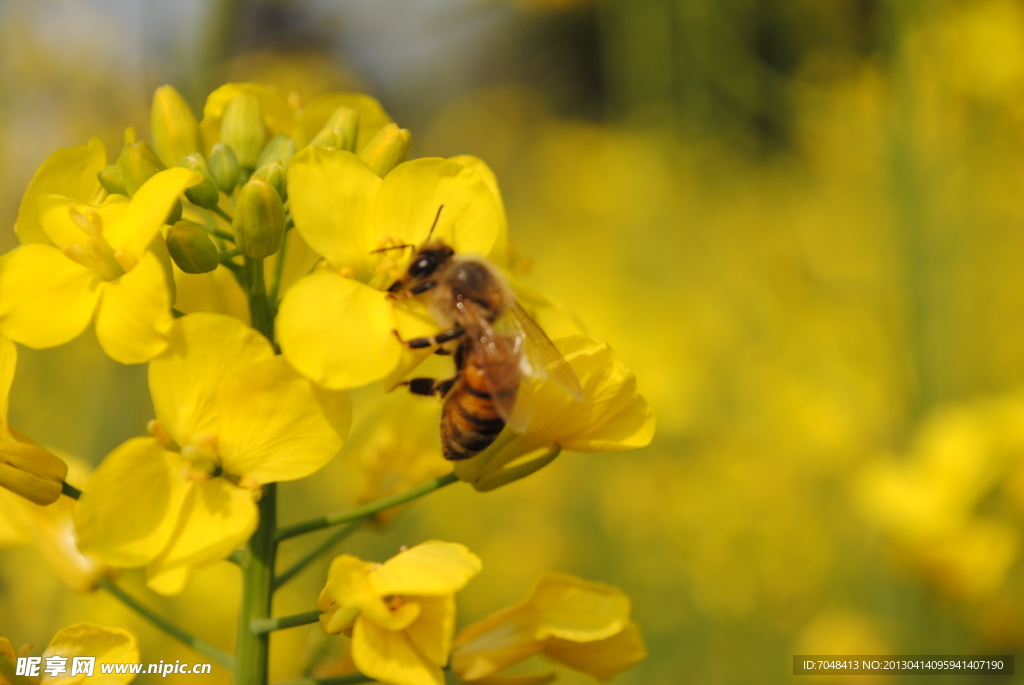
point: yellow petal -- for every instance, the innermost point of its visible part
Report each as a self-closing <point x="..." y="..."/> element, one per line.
<point x="55" y="216"/>
<point x="391" y="657"/>
<point x="431" y="633"/>
<point x="134" y="320"/>
<point x="216" y="517"/>
<point x="109" y="645"/>
<point x="278" y="115"/>
<point x="603" y="659"/>
<point x="7" y="650"/>
<point x="499" y="252"/>
<point x="45" y="298"/>
<point x="128" y="513"/>
<point x="372" y="116"/>
<point x="412" y="192"/>
<point x="349" y="588"/>
<point x="8" y="362"/>
<point x="216" y="292"/>
<point x="275" y="425"/>
<point x="148" y="209"/>
<point x="14" y="526"/>
<point x="31" y="471"/>
<point x="70" y="172"/>
<point x="495" y="643"/>
<point x="185" y="379"/>
<point x="431" y="568"/>
<point x="575" y="609"/>
<point x="331" y="195"/>
<point x="337" y="331"/>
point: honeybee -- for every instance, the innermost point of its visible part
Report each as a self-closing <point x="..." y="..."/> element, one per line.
<point x="497" y="345"/>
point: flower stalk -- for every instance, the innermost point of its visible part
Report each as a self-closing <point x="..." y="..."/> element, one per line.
<point x="257" y="588"/>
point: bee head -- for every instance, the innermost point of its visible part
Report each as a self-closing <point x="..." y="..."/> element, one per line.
<point x="423" y="265"/>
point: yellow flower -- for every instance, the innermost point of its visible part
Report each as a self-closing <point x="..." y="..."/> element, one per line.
<point x="336" y="325"/>
<point x="401" y="614"/>
<point x="280" y="115"/>
<point x="108" y="646"/>
<point x="612" y="416"/>
<point x="230" y="416"/>
<point x="78" y="260"/>
<point x="581" y="624"/>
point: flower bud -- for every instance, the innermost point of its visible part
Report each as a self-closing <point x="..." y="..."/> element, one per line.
<point x="191" y="248"/>
<point x="280" y="149"/>
<point x="173" y="126"/>
<point x="273" y="174"/>
<point x="138" y="163"/>
<point x="224" y="167"/>
<point x="31" y="471"/>
<point x="330" y="139"/>
<point x="174" y="215"/>
<point x="387" y="149"/>
<point x="346" y="120"/>
<point x="259" y="219"/>
<point x="112" y="180"/>
<point x="205" y="193"/>
<point x="242" y="129"/>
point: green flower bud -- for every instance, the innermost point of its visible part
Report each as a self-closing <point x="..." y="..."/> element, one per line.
<point x="191" y="248"/>
<point x="174" y="215"/>
<point x="224" y="167"/>
<point x="331" y="139"/>
<point x="112" y="180"/>
<point x="205" y="193"/>
<point x="259" y="219"/>
<point x="273" y="174"/>
<point x="173" y="125"/>
<point x="346" y="120"/>
<point x="280" y="149"/>
<point x="242" y="129"/>
<point x="387" y="149"/>
<point x="138" y="163"/>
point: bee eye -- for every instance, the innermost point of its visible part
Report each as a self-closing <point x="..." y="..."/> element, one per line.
<point x="422" y="263"/>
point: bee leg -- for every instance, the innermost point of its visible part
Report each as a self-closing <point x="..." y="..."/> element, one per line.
<point x="439" y="339"/>
<point x="423" y="287"/>
<point x="429" y="387"/>
<point x="442" y="351"/>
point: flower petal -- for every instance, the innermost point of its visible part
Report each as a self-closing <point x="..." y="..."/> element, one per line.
<point x="391" y="657"/>
<point x="372" y="116"/>
<point x="331" y="194"/>
<point x="432" y="631"/>
<point x="134" y="320"/>
<point x="217" y="292"/>
<point x="45" y="298"/>
<point x="185" y="379"/>
<point x="129" y="511"/>
<point x="278" y="115"/>
<point x="275" y="425"/>
<point x="412" y="192"/>
<point x="575" y="609"/>
<point x="14" y="526"/>
<point x="337" y="331"/>
<point x="148" y="209"/>
<point x="108" y="644"/>
<point x="495" y="643"/>
<point x="431" y="568"/>
<point x="216" y="517"/>
<point x="499" y="252"/>
<point x="70" y="172"/>
<point x="603" y="659"/>
<point x="55" y="217"/>
<point x="8" y="363"/>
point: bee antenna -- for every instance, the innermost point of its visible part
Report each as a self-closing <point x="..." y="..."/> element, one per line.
<point x="393" y="247"/>
<point x="434" y="225"/>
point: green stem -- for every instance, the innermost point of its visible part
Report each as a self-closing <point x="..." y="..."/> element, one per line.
<point x="227" y="217"/>
<point x="366" y="510"/>
<point x="257" y="578"/>
<point x="268" y="625"/>
<point x="69" y="490"/>
<point x="166" y="626"/>
<point x="216" y="232"/>
<point x="283" y="577"/>
<point x="336" y="680"/>
<point x="278" y="270"/>
<point x="259" y="309"/>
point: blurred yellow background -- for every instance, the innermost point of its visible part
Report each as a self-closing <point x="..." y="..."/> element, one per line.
<point x="800" y="223"/>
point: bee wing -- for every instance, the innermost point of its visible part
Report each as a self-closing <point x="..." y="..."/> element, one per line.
<point x="539" y="357"/>
<point x="498" y="356"/>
